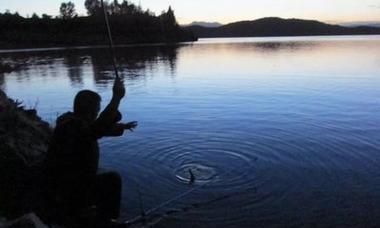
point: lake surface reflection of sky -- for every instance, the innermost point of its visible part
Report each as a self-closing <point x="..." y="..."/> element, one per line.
<point x="285" y="130"/>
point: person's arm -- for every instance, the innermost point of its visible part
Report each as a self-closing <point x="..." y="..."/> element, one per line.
<point x="107" y="117"/>
<point x="119" y="128"/>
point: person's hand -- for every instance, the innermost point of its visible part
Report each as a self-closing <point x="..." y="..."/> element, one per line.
<point x="131" y="125"/>
<point x="118" y="89"/>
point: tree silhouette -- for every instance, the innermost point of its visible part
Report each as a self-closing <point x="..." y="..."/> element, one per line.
<point x="67" y="10"/>
<point x="35" y="16"/>
<point x="127" y="8"/>
<point x="45" y="16"/>
<point x="130" y="24"/>
<point x="171" y="17"/>
<point x="93" y="7"/>
<point x="115" y="7"/>
<point x="168" y="18"/>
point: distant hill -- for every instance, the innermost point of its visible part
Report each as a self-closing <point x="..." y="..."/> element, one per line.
<point x="274" y="26"/>
<point x="205" y="24"/>
<point x="365" y="23"/>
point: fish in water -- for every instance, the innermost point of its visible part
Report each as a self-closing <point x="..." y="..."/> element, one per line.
<point x="192" y="177"/>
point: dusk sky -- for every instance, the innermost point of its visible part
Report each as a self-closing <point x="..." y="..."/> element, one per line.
<point x="226" y="11"/>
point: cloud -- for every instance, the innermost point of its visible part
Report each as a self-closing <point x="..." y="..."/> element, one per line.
<point x="374" y="6"/>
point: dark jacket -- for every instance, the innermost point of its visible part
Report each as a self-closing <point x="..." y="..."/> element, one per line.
<point x="73" y="156"/>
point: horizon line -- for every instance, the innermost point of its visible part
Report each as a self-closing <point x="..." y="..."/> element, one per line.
<point x="336" y="22"/>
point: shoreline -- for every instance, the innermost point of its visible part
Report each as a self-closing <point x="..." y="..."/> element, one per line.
<point x="81" y="47"/>
<point x="20" y="49"/>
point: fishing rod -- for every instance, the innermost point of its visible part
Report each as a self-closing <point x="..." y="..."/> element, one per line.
<point x="111" y="45"/>
<point x="174" y="199"/>
<point x="143" y="212"/>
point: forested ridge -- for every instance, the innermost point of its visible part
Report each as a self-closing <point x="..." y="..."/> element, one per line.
<point x="273" y="26"/>
<point x="129" y="23"/>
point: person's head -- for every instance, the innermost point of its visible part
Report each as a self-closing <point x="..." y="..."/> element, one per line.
<point x="87" y="104"/>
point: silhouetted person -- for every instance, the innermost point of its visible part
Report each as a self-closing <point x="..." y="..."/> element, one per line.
<point x="73" y="158"/>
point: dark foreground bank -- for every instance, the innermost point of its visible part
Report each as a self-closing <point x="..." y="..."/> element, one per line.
<point x="24" y="140"/>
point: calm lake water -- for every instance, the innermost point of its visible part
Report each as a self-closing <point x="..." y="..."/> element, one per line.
<point x="284" y="131"/>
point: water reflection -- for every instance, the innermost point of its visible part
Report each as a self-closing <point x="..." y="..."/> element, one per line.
<point x="73" y="63"/>
<point x="285" y="46"/>
<point x="2" y="81"/>
<point x="133" y="62"/>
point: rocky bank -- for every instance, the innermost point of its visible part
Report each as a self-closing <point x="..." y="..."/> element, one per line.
<point x="24" y="139"/>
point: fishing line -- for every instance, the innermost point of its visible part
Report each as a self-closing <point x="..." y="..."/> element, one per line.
<point x="174" y="199"/>
<point x="142" y="211"/>
<point x="195" y="205"/>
